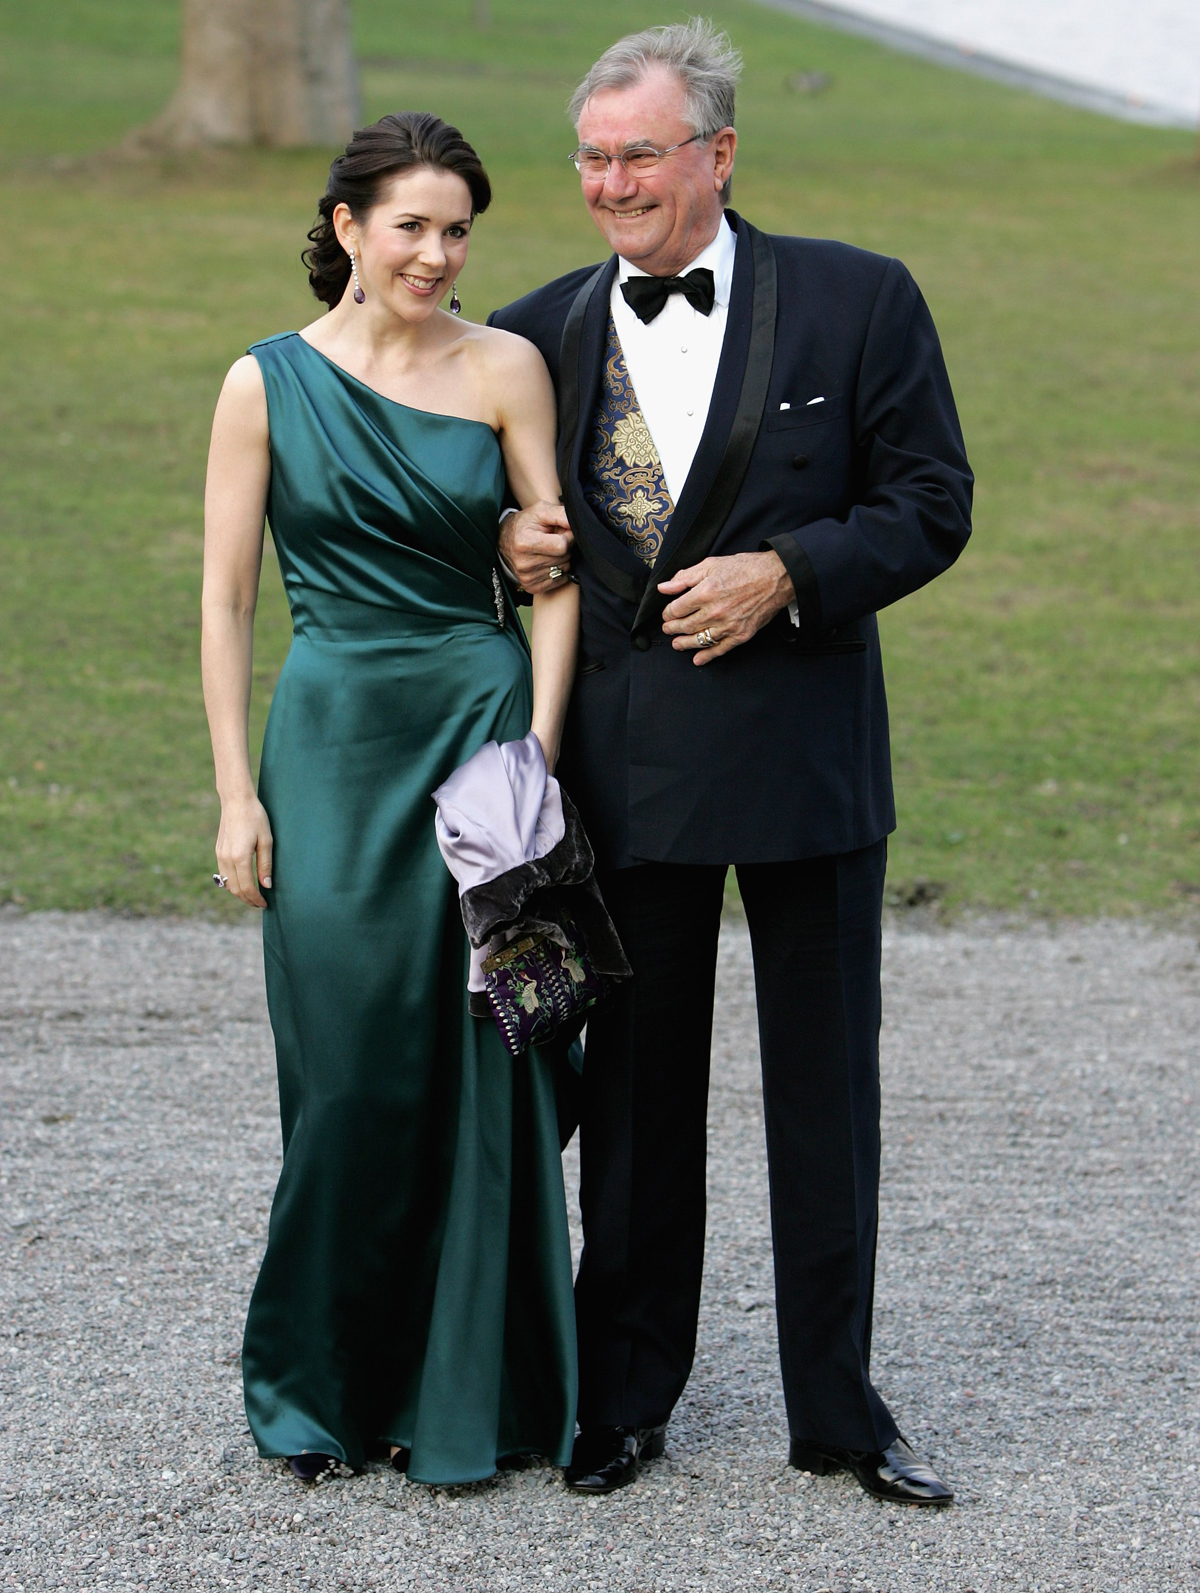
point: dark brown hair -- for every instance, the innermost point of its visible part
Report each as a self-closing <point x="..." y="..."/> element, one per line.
<point x="392" y="145"/>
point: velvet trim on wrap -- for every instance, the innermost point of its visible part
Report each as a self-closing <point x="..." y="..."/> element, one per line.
<point x="540" y="896"/>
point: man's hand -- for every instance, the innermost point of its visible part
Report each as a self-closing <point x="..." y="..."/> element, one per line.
<point x="534" y="542"/>
<point x="731" y="598"/>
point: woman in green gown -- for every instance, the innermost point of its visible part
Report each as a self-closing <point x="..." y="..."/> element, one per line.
<point x="416" y="1288"/>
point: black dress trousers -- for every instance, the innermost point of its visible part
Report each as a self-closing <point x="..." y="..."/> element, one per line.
<point x="815" y="932"/>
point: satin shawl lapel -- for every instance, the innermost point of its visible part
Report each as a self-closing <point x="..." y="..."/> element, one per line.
<point x="734" y="417"/>
<point x="581" y="363"/>
<point x="727" y="388"/>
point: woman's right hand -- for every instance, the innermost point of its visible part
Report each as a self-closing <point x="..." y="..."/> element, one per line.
<point x="243" y="841"/>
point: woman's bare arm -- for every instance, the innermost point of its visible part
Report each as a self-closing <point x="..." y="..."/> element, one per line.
<point x="555" y="645"/>
<point x="527" y="435"/>
<point x="239" y="471"/>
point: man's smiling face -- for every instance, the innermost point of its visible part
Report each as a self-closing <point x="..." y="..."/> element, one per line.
<point x="663" y="219"/>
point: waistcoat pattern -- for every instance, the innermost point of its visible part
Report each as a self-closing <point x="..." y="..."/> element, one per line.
<point x="623" y="480"/>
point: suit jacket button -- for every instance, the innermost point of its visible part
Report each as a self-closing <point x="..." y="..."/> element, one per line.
<point x="800" y="462"/>
<point x="642" y="642"/>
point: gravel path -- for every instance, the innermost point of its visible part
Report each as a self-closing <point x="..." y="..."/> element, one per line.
<point x="1036" y="1329"/>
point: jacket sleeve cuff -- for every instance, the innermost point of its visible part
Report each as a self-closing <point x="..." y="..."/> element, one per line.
<point x="804" y="578"/>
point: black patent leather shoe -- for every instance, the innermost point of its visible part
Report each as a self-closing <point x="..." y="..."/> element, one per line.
<point x="895" y="1474"/>
<point x="309" y="1466"/>
<point x="607" y="1458"/>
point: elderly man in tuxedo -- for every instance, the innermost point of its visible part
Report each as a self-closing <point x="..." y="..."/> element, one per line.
<point x="758" y="450"/>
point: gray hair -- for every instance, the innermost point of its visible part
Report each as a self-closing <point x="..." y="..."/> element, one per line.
<point x="703" y="59"/>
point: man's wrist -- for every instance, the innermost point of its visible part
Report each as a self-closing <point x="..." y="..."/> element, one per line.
<point x="806" y="594"/>
<point x="505" y="516"/>
<point x="785" y="591"/>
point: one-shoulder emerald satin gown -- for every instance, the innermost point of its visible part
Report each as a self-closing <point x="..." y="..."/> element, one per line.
<point x="416" y="1288"/>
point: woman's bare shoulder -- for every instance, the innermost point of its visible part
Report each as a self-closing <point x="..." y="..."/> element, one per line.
<point x="506" y="354"/>
<point x="243" y="401"/>
<point x="244" y="381"/>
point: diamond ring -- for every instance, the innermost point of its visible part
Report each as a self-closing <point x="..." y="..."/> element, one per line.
<point x="555" y="573"/>
<point x="704" y="638"/>
<point x="220" y="881"/>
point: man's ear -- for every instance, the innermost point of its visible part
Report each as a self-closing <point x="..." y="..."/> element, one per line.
<point x="724" y="150"/>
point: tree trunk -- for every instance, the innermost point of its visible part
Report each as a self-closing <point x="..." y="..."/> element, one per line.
<point x="273" y="72"/>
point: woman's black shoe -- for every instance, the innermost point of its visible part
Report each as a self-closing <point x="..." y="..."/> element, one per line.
<point x="309" y="1466"/>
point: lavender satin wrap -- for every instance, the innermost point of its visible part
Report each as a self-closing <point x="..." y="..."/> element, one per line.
<point x="499" y="809"/>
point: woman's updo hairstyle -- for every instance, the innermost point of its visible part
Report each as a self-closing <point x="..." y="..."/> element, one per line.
<point x="392" y="145"/>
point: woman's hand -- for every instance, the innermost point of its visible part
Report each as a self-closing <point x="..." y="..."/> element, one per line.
<point x="244" y="841"/>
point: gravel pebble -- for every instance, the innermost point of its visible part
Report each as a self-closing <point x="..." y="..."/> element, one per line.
<point x="1035" y="1329"/>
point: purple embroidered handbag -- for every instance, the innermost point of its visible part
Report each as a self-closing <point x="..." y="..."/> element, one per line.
<point x="534" y="986"/>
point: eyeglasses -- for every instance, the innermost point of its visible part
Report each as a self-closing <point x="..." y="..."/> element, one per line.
<point x="638" y="160"/>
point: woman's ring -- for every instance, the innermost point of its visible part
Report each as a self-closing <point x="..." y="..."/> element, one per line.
<point x="704" y="638"/>
<point x="220" y="881"/>
<point x="555" y="573"/>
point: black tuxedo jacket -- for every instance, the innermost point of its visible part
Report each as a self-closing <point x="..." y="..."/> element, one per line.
<point x="779" y="750"/>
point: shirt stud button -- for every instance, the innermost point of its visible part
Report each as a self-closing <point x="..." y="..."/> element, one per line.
<point x="800" y="462"/>
<point x="691" y="411"/>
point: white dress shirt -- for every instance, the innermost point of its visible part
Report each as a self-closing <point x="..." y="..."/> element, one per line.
<point x="672" y="362"/>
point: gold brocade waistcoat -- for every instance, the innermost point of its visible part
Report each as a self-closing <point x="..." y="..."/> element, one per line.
<point x="623" y="479"/>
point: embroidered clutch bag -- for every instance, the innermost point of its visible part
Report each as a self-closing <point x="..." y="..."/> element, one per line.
<point x="534" y="986"/>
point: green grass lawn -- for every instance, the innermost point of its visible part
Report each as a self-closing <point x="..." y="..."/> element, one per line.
<point x="1044" y="694"/>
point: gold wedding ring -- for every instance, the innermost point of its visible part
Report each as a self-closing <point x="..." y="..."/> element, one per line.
<point x="704" y="638"/>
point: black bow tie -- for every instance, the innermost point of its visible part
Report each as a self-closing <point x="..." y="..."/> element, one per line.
<point x="646" y="296"/>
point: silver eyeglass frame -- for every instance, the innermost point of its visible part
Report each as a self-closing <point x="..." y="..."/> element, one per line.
<point x="574" y="156"/>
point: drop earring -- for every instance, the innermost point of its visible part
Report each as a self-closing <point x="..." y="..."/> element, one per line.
<point x="359" y="296"/>
<point x="455" y="302"/>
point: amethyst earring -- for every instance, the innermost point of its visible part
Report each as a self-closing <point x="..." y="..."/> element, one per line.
<point x="359" y="296"/>
<point x="455" y="302"/>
